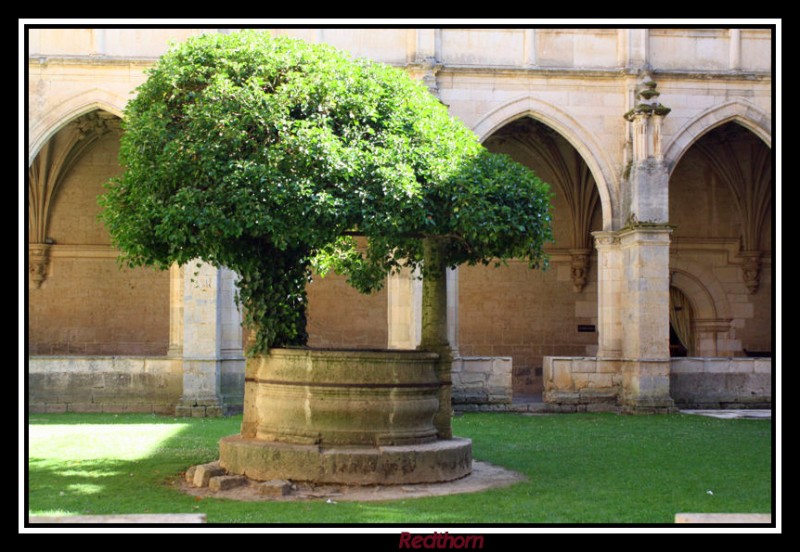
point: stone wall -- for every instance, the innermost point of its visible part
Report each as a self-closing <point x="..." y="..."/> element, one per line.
<point x="481" y="382"/>
<point x="525" y="314"/>
<point x="721" y="382"/>
<point x="104" y="384"/>
<point x="595" y="383"/>
<point x="340" y="317"/>
<point x="88" y="304"/>
<point x="582" y="381"/>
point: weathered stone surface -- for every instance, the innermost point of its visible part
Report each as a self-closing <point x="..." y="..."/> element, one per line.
<point x="443" y="460"/>
<point x="275" y="487"/>
<point x="204" y="472"/>
<point x="337" y="398"/>
<point x="103" y="384"/>
<point x="723" y="519"/>
<point x="190" y="474"/>
<point x="225" y="482"/>
<point x="148" y="519"/>
<point x="695" y="387"/>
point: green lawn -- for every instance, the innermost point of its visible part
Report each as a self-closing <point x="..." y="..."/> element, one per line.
<point x="581" y="468"/>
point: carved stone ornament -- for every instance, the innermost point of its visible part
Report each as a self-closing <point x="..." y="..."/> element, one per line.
<point x="751" y="269"/>
<point x="645" y="118"/>
<point x="579" y="268"/>
<point x="37" y="263"/>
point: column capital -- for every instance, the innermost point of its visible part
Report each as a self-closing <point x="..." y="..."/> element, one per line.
<point x="652" y="233"/>
<point x="604" y="239"/>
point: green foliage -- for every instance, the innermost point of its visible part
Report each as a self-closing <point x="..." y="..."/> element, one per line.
<point x="266" y="155"/>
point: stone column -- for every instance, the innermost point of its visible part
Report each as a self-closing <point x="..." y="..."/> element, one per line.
<point x="434" y="329"/>
<point x="452" y="311"/>
<point x="644" y="247"/>
<point x="230" y="317"/>
<point x="202" y="340"/>
<point x="609" y="295"/>
<point x="404" y="310"/>
<point x="232" y="361"/>
<point x="645" y="319"/>
<point x="176" y="287"/>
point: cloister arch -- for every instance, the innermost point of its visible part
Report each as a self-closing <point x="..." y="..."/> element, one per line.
<point x="737" y="110"/>
<point x="44" y="127"/>
<point x="576" y="134"/>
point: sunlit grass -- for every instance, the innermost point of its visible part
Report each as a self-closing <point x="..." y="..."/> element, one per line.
<point x="92" y="441"/>
<point x="581" y="468"/>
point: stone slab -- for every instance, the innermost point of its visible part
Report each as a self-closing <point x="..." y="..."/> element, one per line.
<point x="148" y="519"/>
<point x="204" y="472"/>
<point x="225" y="482"/>
<point x="276" y="487"/>
<point x="722" y="519"/>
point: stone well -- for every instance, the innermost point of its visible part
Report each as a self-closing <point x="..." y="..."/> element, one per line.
<point x="350" y="417"/>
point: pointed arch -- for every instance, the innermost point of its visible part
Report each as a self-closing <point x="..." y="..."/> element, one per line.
<point x="737" y="110"/>
<point x="572" y="131"/>
<point x="46" y="126"/>
<point x="701" y="287"/>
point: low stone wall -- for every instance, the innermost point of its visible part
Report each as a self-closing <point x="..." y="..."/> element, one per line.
<point x="721" y="382"/>
<point x="104" y="384"/>
<point x="585" y="383"/>
<point x="481" y="381"/>
<point x="588" y="383"/>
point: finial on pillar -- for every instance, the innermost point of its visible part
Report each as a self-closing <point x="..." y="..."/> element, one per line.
<point x="646" y="118"/>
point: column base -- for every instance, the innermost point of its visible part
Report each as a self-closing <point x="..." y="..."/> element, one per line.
<point x="649" y="406"/>
<point x="199" y="407"/>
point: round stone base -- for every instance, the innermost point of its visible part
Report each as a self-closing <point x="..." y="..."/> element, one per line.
<point x="440" y="461"/>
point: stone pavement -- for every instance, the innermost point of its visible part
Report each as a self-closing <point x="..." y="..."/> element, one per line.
<point x="734" y="413"/>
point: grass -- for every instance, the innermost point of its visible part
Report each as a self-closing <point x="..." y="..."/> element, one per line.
<point x="581" y="468"/>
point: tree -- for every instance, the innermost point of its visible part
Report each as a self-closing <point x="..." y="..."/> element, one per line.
<point x="271" y="156"/>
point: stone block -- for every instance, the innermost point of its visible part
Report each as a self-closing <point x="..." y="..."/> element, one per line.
<point x="499" y="380"/>
<point x="190" y="474"/>
<point x="483" y="366"/>
<point x="685" y="366"/>
<point x="562" y="375"/>
<point x="468" y="378"/>
<point x="84" y="407"/>
<point x="183" y="411"/>
<point x="225" y="482"/>
<point x="608" y="366"/>
<point x="762" y="366"/>
<point x="204" y="472"/>
<point x="147" y="519"/>
<point x="584" y="366"/>
<point x="719" y="366"/>
<point x="719" y="519"/>
<point x="608" y="406"/>
<point x="274" y="487"/>
<point x="598" y="381"/>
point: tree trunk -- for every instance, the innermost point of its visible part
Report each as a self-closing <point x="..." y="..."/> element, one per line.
<point x="434" y="327"/>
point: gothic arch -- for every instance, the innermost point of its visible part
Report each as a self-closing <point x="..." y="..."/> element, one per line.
<point x="701" y="287"/>
<point x="46" y="126"/>
<point x="738" y="110"/>
<point x="580" y="138"/>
